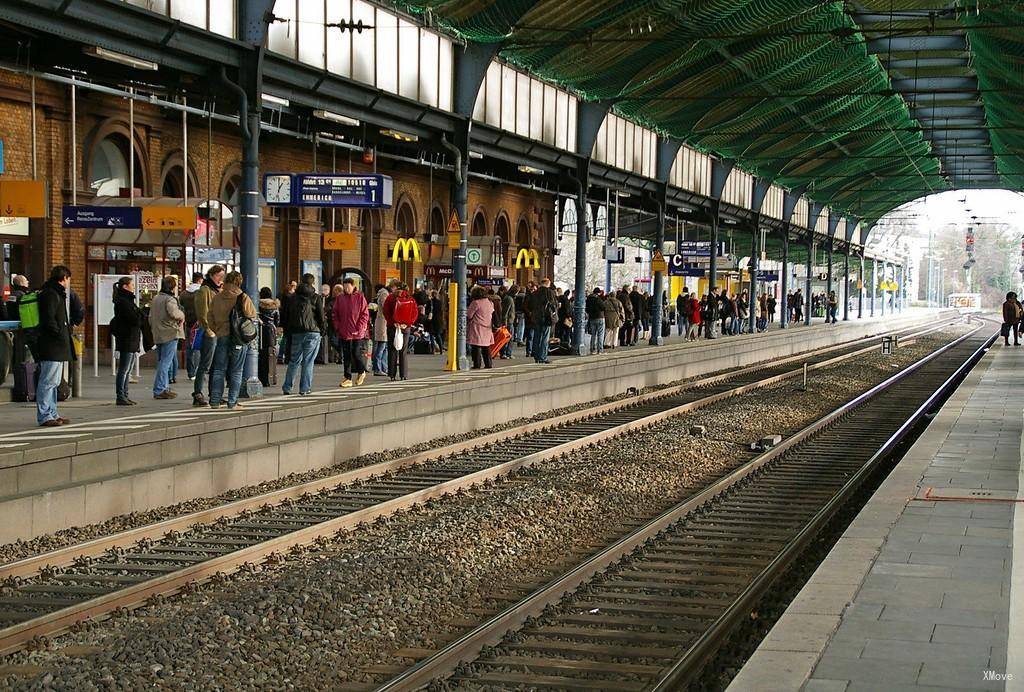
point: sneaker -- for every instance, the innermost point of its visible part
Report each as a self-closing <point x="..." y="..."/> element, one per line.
<point x="166" y="394"/>
<point x="380" y="374"/>
<point x="360" y="378"/>
<point x="285" y="392"/>
<point x="198" y="400"/>
<point x="345" y="383"/>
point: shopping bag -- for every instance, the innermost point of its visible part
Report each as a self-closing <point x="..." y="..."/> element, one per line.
<point x="501" y="337"/>
<point x="399" y="341"/>
<point x="195" y="338"/>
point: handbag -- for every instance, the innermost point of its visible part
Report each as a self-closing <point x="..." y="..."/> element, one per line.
<point x="1004" y="329"/>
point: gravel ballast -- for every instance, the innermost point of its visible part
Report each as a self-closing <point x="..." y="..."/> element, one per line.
<point x="323" y="615"/>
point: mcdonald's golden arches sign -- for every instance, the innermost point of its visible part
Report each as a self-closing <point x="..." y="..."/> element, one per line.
<point x="408" y="248"/>
<point x="527" y="259"/>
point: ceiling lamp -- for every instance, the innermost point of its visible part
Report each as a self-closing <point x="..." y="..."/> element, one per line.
<point x="400" y="136"/>
<point x="120" y="58"/>
<point x="336" y="118"/>
<point x="531" y="170"/>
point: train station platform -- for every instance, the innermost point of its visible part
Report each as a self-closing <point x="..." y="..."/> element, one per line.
<point x="925" y="589"/>
<point x="160" y="453"/>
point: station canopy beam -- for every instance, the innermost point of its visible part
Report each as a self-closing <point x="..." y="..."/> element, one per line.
<point x="804" y="94"/>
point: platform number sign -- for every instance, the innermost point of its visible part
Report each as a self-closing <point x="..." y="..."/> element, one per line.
<point x="890" y="344"/>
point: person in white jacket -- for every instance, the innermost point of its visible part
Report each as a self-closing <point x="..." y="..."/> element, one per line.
<point x="167" y="320"/>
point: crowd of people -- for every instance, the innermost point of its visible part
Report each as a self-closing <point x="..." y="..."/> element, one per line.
<point x="365" y="335"/>
<point x="1013" y="314"/>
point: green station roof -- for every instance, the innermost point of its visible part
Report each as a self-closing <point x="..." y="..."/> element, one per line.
<point x="867" y="104"/>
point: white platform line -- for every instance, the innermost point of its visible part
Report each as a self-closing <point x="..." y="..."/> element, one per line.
<point x="11" y="446"/>
<point x="28" y="437"/>
<point x="93" y="427"/>
<point x="1015" y="634"/>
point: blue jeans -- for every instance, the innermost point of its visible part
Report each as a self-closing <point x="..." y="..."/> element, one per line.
<point x="50" y="372"/>
<point x="596" y="328"/>
<point x="228" y="360"/>
<point x="304" y="349"/>
<point x="165" y="359"/>
<point x="125" y="363"/>
<point x="540" y="343"/>
<point x="204" y="364"/>
<point x="380" y="356"/>
<point x="528" y="340"/>
<point x="681" y="325"/>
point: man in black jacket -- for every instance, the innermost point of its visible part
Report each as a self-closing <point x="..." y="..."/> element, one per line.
<point x="542" y="308"/>
<point x="52" y="345"/>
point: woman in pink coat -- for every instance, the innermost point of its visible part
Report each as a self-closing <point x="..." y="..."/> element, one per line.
<point x="479" y="326"/>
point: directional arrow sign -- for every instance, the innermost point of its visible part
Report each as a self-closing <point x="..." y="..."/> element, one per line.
<point x="339" y="241"/>
<point x="169" y="218"/>
<point x="23" y="198"/>
<point x="101" y="217"/>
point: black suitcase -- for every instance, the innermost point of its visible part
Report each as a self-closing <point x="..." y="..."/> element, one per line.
<point x="666" y="329"/>
<point x="421" y="347"/>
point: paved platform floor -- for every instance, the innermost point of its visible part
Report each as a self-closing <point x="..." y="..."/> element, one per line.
<point x="918" y="593"/>
<point x="97" y="402"/>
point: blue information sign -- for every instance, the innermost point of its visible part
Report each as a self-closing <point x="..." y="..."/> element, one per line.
<point x="319" y="190"/>
<point x="765" y="275"/>
<point x="1" y="156"/>
<point x="328" y="190"/>
<point x="101" y="217"/>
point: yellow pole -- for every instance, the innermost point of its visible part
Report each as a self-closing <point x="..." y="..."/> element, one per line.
<point x="453" y="323"/>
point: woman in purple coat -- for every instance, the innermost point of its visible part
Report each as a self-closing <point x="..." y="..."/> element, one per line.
<point x="479" y="326"/>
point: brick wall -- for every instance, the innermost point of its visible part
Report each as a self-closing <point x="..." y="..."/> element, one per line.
<point x="213" y="156"/>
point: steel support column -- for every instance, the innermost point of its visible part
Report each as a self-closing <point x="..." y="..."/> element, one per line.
<point x="784" y="290"/>
<point x="460" y="202"/>
<point x="846" y="286"/>
<point x="874" y="284"/>
<point x="755" y="253"/>
<point x="883" y="290"/>
<point x="860" y="290"/>
<point x="828" y="280"/>
<point x="253" y="20"/>
<point x="579" y="317"/>
<point x="659" y="277"/>
<point x="713" y="259"/>
<point x="810" y="265"/>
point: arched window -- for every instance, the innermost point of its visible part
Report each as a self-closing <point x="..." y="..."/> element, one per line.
<point x="568" y="217"/>
<point x="405" y="222"/>
<point x="602" y="222"/>
<point x="479" y="228"/>
<point x="501" y="234"/>
<point x="108" y="170"/>
<point x="437" y="223"/>
<point x="523" y="234"/>
<point x="173" y="181"/>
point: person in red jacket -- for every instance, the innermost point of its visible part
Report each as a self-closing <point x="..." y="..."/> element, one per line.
<point x="693" y="317"/>
<point x="400" y="313"/>
<point x="351" y="319"/>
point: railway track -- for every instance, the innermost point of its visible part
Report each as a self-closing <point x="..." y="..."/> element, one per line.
<point x="648" y="612"/>
<point x="49" y="593"/>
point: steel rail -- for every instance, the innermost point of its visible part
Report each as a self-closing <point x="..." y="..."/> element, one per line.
<point x="690" y="665"/>
<point x="62" y="557"/>
<point x="468" y="646"/>
<point x="18" y="635"/>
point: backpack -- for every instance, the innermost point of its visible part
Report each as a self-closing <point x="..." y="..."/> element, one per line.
<point x="244" y="330"/>
<point x="28" y="310"/>
<point x="406" y="310"/>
